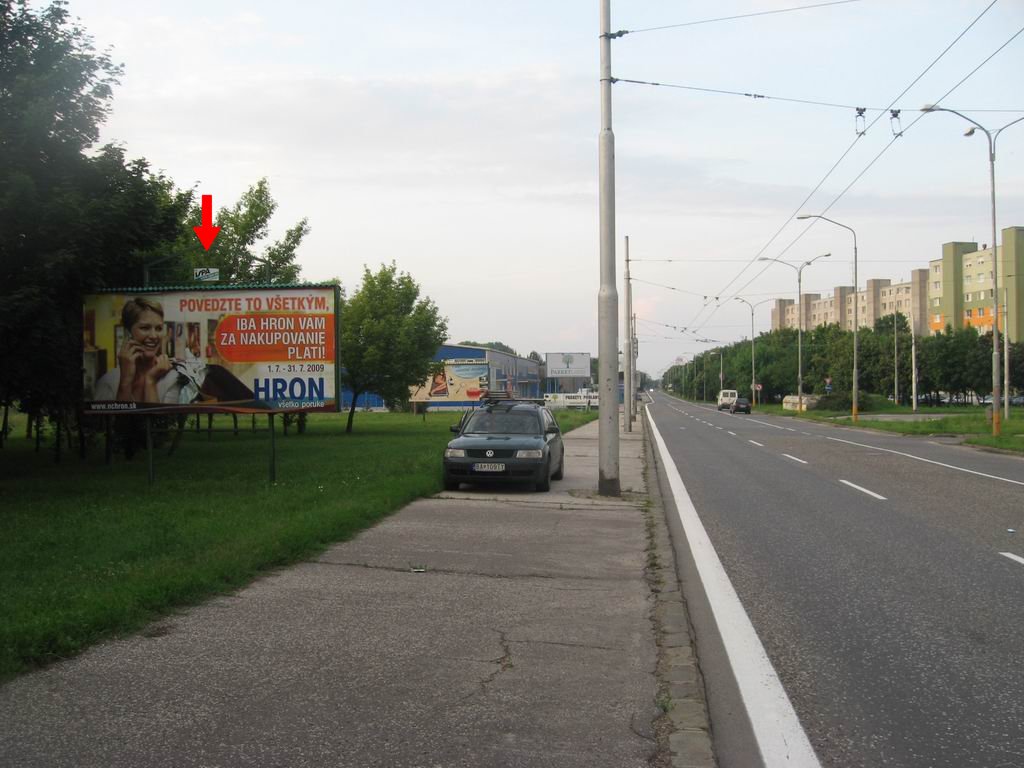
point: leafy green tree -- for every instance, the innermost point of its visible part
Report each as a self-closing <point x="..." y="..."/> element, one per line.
<point x="69" y="222"/>
<point x="389" y="336"/>
<point x="535" y="356"/>
<point x="241" y="251"/>
<point x="497" y="345"/>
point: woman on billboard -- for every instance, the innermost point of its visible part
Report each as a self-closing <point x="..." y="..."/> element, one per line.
<point x="144" y="373"/>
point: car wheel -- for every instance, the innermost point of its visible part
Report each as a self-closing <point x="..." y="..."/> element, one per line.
<point x="545" y="485"/>
<point x="451" y="484"/>
<point x="561" y="469"/>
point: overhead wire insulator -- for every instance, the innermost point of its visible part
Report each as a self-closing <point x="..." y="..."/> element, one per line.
<point x="894" y="122"/>
<point x="860" y="125"/>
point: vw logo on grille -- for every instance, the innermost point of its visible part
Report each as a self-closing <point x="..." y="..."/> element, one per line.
<point x="490" y="454"/>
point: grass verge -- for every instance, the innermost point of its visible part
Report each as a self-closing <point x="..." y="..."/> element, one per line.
<point x="90" y="551"/>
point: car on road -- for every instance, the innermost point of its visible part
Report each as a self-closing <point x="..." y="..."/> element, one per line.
<point x="740" y="405"/>
<point x="726" y="398"/>
<point x="508" y="441"/>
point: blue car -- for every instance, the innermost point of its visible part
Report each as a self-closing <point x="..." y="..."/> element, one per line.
<point x="509" y="441"/>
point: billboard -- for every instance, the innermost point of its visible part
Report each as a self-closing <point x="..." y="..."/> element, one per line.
<point x="575" y="364"/>
<point x="461" y="382"/>
<point x="238" y="351"/>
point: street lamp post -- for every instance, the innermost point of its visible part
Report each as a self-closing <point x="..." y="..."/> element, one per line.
<point x="992" y="137"/>
<point x="856" y="303"/>
<point x="800" y="324"/>
<point x="1006" y="351"/>
<point x="753" y="373"/>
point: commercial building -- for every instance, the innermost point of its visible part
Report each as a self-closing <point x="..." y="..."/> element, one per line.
<point x="955" y="290"/>
<point x="466" y="373"/>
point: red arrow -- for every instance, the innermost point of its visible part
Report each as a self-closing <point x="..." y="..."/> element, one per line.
<point x="207" y="233"/>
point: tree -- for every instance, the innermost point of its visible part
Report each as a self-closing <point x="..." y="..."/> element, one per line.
<point x="69" y="222"/>
<point x="389" y="336"/>
<point x="535" y="356"/>
<point x="499" y="346"/>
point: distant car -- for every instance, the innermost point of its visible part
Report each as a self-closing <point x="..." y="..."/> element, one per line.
<point x="1017" y="400"/>
<point x="508" y="440"/>
<point x="726" y="398"/>
<point x="740" y="405"/>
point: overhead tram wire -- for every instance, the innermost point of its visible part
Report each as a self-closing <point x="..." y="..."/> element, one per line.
<point x="860" y="134"/>
<point x="886" y="149"/>
<point x="766" y="97"/>
<point x="624" y="32"/>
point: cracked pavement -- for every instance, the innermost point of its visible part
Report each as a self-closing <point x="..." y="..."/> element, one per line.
<point x="476" y="628"/>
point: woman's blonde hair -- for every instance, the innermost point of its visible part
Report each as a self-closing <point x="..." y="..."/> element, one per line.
<point x="135" y="306"/>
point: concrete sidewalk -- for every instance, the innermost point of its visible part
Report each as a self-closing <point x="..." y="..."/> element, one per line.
<point x="484" y="627"/>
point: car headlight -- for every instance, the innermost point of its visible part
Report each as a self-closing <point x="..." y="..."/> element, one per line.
<point x="454" y="453"/>
<point x="530" y="453"/>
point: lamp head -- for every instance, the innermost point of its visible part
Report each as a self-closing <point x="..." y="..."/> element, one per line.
<point x="928" y="108"/>
<point x="804" y="216"/>
<point x="969" y="131"/>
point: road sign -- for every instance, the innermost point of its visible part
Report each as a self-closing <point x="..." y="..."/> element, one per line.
<point x="206" y="274"/>
<point x="758" y="387"/>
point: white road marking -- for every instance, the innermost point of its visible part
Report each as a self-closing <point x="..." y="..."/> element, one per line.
<point x="794" y="458"/>
<point x="682" y="427"/>
<point x="1012" y="556"/>
<point x="928" y="461"/>
<point x="731" y="433"/>
<point x="717" y="427"/>
<point x="773" y="426"/>
<point x="863" y="490"/>
<point x="806" y="433"/>
<point x="777" y="730"/>
<point x="759" y="445"/>
<point x="790" y="429"/>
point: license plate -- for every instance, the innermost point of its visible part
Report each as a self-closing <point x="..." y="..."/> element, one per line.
<point x="488" y="467"/>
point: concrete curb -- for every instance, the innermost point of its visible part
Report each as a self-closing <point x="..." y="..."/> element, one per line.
<point x="684" y="728"/>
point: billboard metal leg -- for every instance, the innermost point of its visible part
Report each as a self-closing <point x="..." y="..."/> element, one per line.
<point x="273" y="452"/>
<point x="149" y="448"/>
<point x="108" y="442"/>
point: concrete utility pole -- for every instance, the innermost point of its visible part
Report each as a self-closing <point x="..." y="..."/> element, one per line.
<point x="607" y="297"/>
<point x="895" y="360"/>
<point x="992" y="138"/>
<point x="636" y="354"/>
<point x="800" y="323"/>
<point x="753" y="370"/>
<point x="913" y="361"/>
<point x="627" y="357"/>
<point x="1006" y="353"/>
<point x="856" y="304"/>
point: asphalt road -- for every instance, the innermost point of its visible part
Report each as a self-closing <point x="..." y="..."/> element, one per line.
<point x="871" y="567"/>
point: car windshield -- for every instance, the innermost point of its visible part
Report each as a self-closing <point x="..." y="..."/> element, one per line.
<point x="504" y="422"/>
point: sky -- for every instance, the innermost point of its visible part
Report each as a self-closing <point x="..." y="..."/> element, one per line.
<point x="459" y="139"/>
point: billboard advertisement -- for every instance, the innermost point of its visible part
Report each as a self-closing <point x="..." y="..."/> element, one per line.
<point x="461" y="382"/>
<point x="206" y="350"/>
<point x="568" y="364"/>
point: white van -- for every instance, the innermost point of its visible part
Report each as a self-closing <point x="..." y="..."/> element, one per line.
<point x="726" y="398"/>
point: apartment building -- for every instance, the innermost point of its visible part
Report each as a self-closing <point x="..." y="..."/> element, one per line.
<point x="960" y="285"/>
<point x="879" y="298"/>
<point x="955" y="289"/>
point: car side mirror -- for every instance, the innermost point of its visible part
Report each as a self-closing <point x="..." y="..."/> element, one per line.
<point x="553" y="430"/>
<point x="454" y="428"/>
